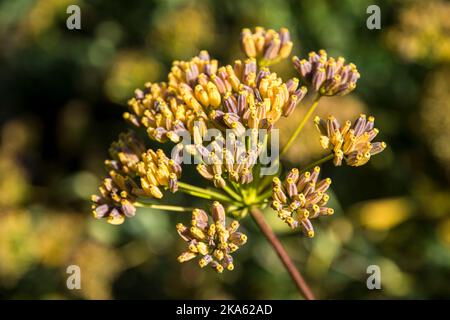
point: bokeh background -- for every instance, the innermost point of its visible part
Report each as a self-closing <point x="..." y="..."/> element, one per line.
<point x="62" y="94"/>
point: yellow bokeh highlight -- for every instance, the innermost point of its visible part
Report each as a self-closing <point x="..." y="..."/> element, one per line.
<point x="130" y="70"/>
<point x="444" y="232"/>
<point x="384" y="214"/>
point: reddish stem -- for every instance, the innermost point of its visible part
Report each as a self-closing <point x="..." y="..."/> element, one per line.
<point x="299" y="281"/>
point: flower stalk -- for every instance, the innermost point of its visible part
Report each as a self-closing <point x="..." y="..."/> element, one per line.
<point x="162" y="207"/>
<point x="203" y="193"/>
<point x="296" y="276"/>
<point x="300" y="127"/>
<point x="317" y="163"/>
<point x="233" y="194"/>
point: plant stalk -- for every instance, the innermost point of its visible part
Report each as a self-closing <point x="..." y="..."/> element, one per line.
<point x="299" y="281"/>
<point x="203" y="193"/>
<point x="316" y="163"/>
<point x="162" y="207"/>
<point x="233" y="194"/>
<point x="300" y="126"/>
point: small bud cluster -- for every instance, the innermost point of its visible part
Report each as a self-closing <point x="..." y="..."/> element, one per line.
<point x="233" y="160"/>
<point x="300" y="198"/>
<point x="214" y="242"/>
<point x="125" y="153"/>
<point x="115" y="201"/>
<point x="354" y="144"/>
<point x="268" y="46"/>
<point x="133" y="172"/>
<point x="156" y="170"/>
<point x="327" y="76"/>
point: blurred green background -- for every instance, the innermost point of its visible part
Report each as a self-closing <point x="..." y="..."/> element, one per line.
<point x="62" y="95"/>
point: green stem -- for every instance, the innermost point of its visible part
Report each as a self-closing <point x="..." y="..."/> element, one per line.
<point x="162" y="207"/>
<point x="300" y="126"/>
<point x="233" y="194"/>
<point x="318" y="162"/>
<point x="264" y="196"/>
<point x="267" y="180"/>
<point x="203" y="193"/>
<point x="267" y="63"/>
<point x="197" y="194"/>
<point x="235" y="186"/>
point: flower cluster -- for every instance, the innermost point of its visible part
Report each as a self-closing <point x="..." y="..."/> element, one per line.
<point x="156" y="170"/>
<point x="169" y="109"/>
<point x="300" y="198"/>
<point x="233" y="160"/>
<point x="163" y="115"/>
<point x="116" y="198"/>
<point x="326" y="75"/>
<point x="237" y="97"/>
<point x="267" y="45"/>
<point x="223" y="116"/>
<point x="132" y="172"/>
<point x="253" y="98"/>
<point x="117" y="191"/>
<point x="199" y="95"/>
<point x="214" y="242"/>
<point x="125" y="153"/>
<point x="354" y="144"/>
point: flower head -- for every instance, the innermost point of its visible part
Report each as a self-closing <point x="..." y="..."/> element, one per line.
<point x="300" y="198"/>
<point x="352" y="143"/>
<point x="115" y="201"/>
<point x="117" y="191"/>
<point x="132" y="172"/>
<point x="213" y="242"/>
<point x="229" y="111"/>
<point x="326" y="75"/>
<point x="233" y="160"/>
<point x="189" y="72"/>
<point x="267" y="45"/>
<point x="156" y="170"/>
<point x="237" y="97"/>
<point x="125" y="153"/>
<point x="253" y="98"/>
<point x="169" y="109"/>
